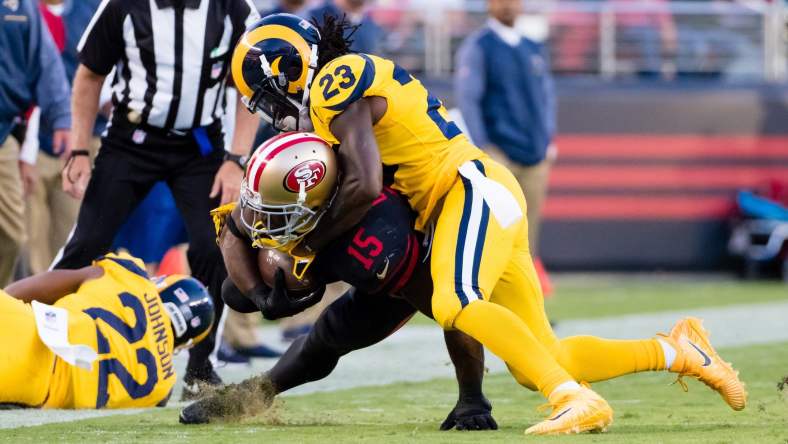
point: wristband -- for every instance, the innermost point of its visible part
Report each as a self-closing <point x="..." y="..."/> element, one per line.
<point x="71" y="156"/>
<point x="237" y="159"/>
<point x="75" y="153"/>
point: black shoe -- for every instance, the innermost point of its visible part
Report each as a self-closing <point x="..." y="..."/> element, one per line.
<point x="195" y="413"/>
<point x="230" y="355"/>
<point x="195" y="383"/>
<point x="259" y="351"/>
<point x="12" y="406"/>
<point x="247" y="398"/>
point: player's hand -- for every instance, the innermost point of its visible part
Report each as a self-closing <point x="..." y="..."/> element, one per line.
<point x="76" y="175"/>
<point x="227" y="182"/>
<point x="61" y="142"/>
<point x="471" y="413"/>
<point x="276" y="303"/>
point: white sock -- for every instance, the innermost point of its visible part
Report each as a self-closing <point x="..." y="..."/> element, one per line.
<point x="568" y="385"/>
<point x="669" y="352"/>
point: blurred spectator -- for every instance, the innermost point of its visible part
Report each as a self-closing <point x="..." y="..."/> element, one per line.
<point x="153" y="228"/>
<point x="51" y="213"/>
<point x="367" y="37"/>
<point x="240" y="335"/>
<point x="505" y="92"/>
<point x="648" y="36"/>
<point x="31" y="72"/>
<point x="285" y="6"/>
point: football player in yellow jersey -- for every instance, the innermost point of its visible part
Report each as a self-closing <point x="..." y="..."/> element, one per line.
<point x="389" y="128"/>
<point x="99" y="337"/>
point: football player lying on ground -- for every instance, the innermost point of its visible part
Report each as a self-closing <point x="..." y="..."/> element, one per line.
<point x="102" y="336"/>
<point x="379" y="257"/>
<point x="484" y="281"/>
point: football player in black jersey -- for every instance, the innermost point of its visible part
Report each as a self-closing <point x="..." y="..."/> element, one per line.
<point x="380" y="257"/>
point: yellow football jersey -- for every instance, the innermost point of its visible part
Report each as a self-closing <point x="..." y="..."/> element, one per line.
<point x="414" y="136"/>
<point x="122" y="317"/>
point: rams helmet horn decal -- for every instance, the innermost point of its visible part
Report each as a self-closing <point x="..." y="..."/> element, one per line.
<point x="273" y="65"/>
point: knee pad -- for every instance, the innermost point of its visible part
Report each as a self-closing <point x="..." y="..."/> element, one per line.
<point x="446" y="306"/>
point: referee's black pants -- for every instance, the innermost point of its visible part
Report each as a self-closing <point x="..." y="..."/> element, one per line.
<point x="123" y="174"/>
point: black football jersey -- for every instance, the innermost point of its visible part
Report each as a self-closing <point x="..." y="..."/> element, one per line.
<point x="380" y="253"/>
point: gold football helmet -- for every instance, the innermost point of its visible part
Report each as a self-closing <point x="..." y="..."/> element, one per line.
<point x="290" y="181"/>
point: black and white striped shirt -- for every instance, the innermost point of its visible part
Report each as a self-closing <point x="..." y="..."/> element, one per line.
<point x="172" y="57"/>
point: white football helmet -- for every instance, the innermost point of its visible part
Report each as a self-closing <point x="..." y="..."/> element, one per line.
<point x="290" y="181"/>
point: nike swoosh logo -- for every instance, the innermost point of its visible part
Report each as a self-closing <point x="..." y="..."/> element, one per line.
<point x="560" y="414"/>
<point x="706" y="358"/>
<point x="382" y="274"/>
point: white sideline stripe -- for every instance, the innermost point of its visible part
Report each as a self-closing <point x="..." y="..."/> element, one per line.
<point x="418" y="353"/>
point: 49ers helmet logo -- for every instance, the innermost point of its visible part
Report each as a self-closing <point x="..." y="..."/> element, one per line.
<point x="310" y="173"/>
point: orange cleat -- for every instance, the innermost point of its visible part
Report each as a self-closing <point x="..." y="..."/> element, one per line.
<point x="575" y="411"/>
<point x="696" y="357"/>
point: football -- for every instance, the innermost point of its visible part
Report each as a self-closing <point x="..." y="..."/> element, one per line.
<point x="269" y="259"/>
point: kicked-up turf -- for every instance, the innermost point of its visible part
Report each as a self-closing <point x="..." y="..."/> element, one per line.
<point x="648" y="409"/>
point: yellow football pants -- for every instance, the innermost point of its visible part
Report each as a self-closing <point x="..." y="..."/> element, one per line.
<point x="486" y="286"/>
<point x="26" y="364"/>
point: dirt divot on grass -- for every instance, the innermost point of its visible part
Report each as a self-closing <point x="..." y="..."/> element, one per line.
<point x="251" y="400"/>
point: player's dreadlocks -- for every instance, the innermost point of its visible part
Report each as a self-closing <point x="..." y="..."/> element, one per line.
<point x="335" y="38"/>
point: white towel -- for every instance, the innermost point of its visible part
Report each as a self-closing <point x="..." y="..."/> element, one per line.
<point x="500" y="200"/>
<point x="52" y="325"/>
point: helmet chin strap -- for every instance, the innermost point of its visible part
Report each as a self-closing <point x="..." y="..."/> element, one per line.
<point x="266" y="66"/>
<point x="309" y="75"/>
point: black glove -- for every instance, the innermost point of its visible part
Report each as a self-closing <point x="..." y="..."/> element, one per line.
<point x="471" y="413"/>
<point x="275" y="303"/>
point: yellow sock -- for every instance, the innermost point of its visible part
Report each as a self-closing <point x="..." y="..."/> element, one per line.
<point x="590" y="359"/>
<point x="506" y="335"/>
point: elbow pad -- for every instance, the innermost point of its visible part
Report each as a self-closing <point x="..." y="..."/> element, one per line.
<point x="235" y="299"/>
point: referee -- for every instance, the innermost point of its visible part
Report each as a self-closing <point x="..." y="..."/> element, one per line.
<point x="171" y="60"/>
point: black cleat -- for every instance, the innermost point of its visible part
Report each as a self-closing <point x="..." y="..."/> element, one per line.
<point x="232" y="402"/>
<point x="195" y="413"/>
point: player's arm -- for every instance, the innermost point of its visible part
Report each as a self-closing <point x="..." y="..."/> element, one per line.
<point x="239" y="256"/>
<point x="50" y="286"/>
<point x="473" y="411"/>
<point x="361" y="179"/>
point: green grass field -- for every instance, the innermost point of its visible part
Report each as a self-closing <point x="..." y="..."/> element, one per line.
<point x="597" y="296"/>
<point x="648" y="409"/>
